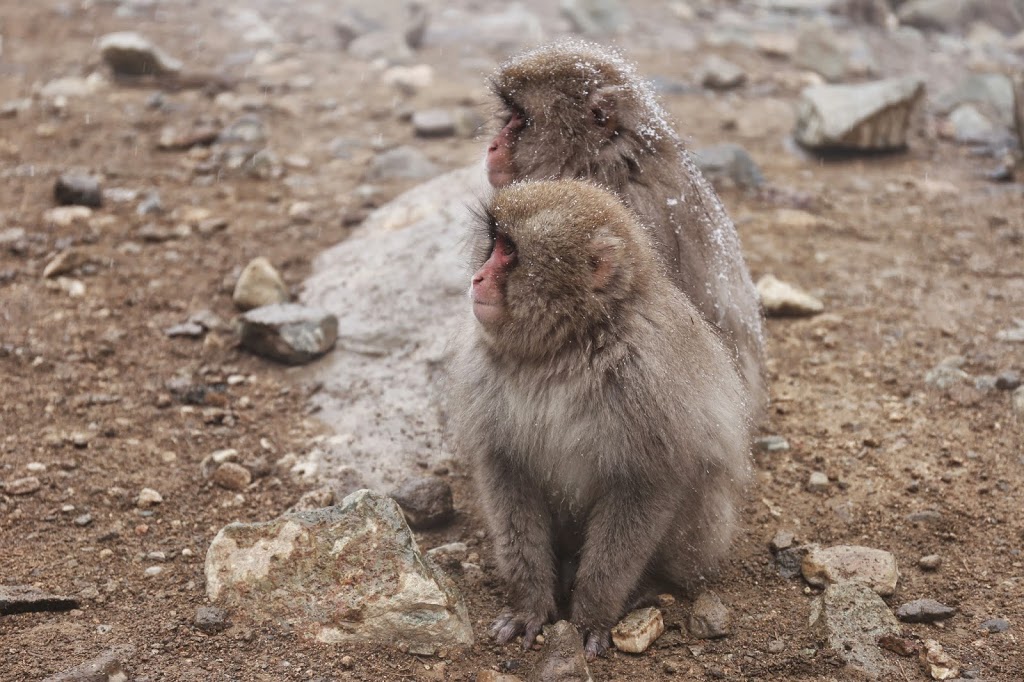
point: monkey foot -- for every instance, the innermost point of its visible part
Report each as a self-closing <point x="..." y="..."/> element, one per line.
<point x="596" y="643"/>
<point x="509" y="624"/>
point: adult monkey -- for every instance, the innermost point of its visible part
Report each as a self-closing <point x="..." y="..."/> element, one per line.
<point x="576" y="110"/>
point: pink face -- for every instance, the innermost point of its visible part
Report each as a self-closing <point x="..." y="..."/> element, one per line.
<point x="499" y="153"/>
<point x="488" y="289"/>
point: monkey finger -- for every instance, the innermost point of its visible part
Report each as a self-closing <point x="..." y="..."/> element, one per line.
<point x="531" y="630"/>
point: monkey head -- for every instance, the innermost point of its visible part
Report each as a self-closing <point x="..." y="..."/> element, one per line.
<point x="574" y="110"/>
<point x="556" y="260"/>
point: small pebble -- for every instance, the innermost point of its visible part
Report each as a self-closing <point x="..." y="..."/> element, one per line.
<point x="211" y="619"/>
<point x="995" y="625"/>
<point x="817" y="483"/>
<point x="232" y="476"/>
<point x="924" y="611"/>
<point x="148" y="498"/>
<point x="154" y="571"/>
<point x="772" y="444"/>
<point x="23" y="486"/>
<point x="930" y="562"/>
<point x="83" y="520"/>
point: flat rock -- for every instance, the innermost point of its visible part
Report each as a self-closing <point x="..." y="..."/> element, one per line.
<point x="27" y="485"/>
<point x="709" y="617"/>
<point x="130" y="54"/>
<point x="425" y="500"/>
<point x="596" y="18"/>
<point x="729" y="162"/>
<point x="852" y="618"/>
<point x="874" y="568"/>
<point x="78" y="189"/>
<point x="107" y="667"/>
<point x="343" y="574"/>
<point x="871" y="116"/>
<point x="638" y="630"/>
<point x="211" y="619"/>
<point x="717" y="73"/>
<point x="29" y="599"/>
<point x="288" y="332"/>
<point x="780" y="299"/>
<point x="924" y="611"/>
<point x="995" y="625"/>
<point x="401" y="163"/>
<point x="259" y="284"/>
<point x="433" y="123"/>
<point x="231" y="476"/>
<point x="563" y="658"/>
<point x="969" y="126"/>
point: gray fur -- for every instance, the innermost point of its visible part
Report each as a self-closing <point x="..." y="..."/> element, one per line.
<point x="608" y="427"/>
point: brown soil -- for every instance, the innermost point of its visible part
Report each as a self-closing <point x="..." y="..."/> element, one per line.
<point x="909" y="275"/>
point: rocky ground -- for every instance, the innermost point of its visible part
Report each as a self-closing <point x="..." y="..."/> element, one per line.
<point x="897" y="422"/>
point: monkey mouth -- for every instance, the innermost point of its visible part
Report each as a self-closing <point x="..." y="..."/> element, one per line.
<point x="486" y="313"/>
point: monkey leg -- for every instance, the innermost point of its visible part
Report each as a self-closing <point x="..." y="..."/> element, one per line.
<point x="622" y="536"/>
<point x="521" y="526"/>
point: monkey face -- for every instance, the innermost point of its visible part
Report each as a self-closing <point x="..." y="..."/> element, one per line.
<point x="558" y="258"/>
<point x="573" y="110"/>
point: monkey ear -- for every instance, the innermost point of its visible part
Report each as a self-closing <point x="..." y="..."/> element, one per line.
<point x="603" y="104"/>
<point x="605" y="254"/>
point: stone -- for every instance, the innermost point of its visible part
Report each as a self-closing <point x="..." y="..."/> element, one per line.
<point x="945" y="375"/>
<point x="1018" y="400"/>
<point x="790" y="560"/>
<point x="852" y="618"/>
<point x="433" y="123"/>
<point x="991" y="92"/>
<point x="130" y="54"/>
<point x="107" y="667"/>
<point x="729" y="162"/>
<point x="874" y="568"/>
<point x="936" y="662"/>
<point x="1008" y="381"/>
<point x="563" y="659"/>
<point x="211" y="619"/>
<point x="717" y="73"/>
<point x="494" y="676"/>
<point x="409" y="79"/>
<point x="924" y="611"/>
<point x="426" y="501"/>
<point x="26" y="485"/>
<point x="995" y="625"/>
<point x="948" y="15"/>
<point x="248" y="130"/>
<point x="341" y="575"/>
<point x="771" y="444"/>
<point x="817" y="482"/>
<point x="288" y="332"/>
<point x="780" y="299"/>
<point x="782" y="540"/>
<point x="66" y="216"/>
<point x="401" y="163"/>
<point x="259" y="284"/>
<point x="930" y="562"/>
<point x="387" y="46"/>
<point x="232" y="476"/>
<point x="638" y="630"/>
<point x="505" y="31"/>
<point x="29" y="599"/>
<point x="969" y="126"/>
<point x="73" y="86"/>
<point x="596" y="18"/>
<point x="66" y="262"/>
<point x="148" y="498"/>
<point x="709" y="617"/>
<point x="872" y="116"/>
<point x="78" y="189"/>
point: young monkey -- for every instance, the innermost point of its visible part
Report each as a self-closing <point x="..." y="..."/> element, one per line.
<point x="606" y="422"/>
<point x="573" y="109"/>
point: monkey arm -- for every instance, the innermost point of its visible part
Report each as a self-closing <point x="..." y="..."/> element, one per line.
<point x="521" y="526"/>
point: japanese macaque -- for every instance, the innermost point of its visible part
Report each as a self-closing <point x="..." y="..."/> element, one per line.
<point x="575" y="110"/>
<point x="606" y="421"/>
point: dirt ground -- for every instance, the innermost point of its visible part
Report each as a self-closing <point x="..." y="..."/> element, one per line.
<point x="917" y="256"/>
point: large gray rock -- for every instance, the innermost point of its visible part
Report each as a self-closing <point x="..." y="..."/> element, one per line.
<point x="948" y="15"/>
<point x="851" y="618"/>
<point x="398" y="287"/>
<point x="343" y="574"/>
<point x="29" y="599"/>
<point x="993" y="92"/>
<point x="289" y="333"/>
<point x="872" y="116"/>
<point x="107" y="667"/>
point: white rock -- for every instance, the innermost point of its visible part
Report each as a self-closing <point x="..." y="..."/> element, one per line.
<point x="259" y="285"/>
<point x="780" y="299"/>
<point x="638" y="630"/>
<point x="874" y="568"/>
<point x="148" y="498"/>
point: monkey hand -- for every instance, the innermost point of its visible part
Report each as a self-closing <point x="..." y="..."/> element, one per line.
<point x="596" y="643"/>
<point x="510" y="624"/>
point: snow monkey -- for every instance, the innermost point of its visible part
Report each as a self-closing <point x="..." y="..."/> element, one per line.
<point x="576" y="110"/>
<point x="606" y="421"/>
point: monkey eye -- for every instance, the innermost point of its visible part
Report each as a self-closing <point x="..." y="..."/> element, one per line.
<point x="505" y="246"/>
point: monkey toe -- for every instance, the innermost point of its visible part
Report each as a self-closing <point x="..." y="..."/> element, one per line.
<point x="509" y="625"/>
<point x="597" y="643"/>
